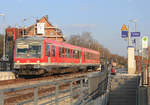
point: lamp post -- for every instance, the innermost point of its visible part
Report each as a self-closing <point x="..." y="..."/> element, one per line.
<point x="134" y="21"/>
<point x="136" y="46"/>
<point x="3" y="31"/>
<point x="24" y="19"/>
<point x="36" y="18"/>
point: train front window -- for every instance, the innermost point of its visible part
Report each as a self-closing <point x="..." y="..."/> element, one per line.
<point x="35" y="50"/>
<point x="28" y="50"/>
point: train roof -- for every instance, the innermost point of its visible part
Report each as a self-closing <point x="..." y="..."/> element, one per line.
<point x="70" y="46"/>
<point x="41" y="38"/>
<point x="30" y="38"/>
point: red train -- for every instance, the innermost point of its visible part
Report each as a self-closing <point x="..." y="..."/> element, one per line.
<point x="39" y="55"/>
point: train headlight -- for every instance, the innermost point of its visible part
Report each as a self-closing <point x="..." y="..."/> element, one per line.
<point x="38" y="62"/>
<point x="18" y="61"/>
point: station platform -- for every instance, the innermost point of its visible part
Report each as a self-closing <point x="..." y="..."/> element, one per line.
<point x="6" y="75"/>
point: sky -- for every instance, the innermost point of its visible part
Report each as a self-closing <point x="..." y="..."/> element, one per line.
<point x="103" y="18"/>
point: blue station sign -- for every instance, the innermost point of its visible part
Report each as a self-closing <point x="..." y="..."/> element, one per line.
<point x="135" y="34"/>
<point x="124" y="34"/>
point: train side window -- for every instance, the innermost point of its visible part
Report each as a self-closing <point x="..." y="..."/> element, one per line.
<point x="69" y="53"/>
<point x="89" y="55"/>
<point x="53" y="51"/>
<point x="86" y="55"/>
<point x="78" y="54"/>
<point x="73" y="53"/>
<point x="63" y="50"/>
<point x="47" y="52"/>
<point x="59" y="51"/>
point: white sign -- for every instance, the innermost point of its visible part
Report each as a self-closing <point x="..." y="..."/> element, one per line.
<point x="144" y="42"/>
<point x="22" y="46"/>
<point x="40" y="28"/>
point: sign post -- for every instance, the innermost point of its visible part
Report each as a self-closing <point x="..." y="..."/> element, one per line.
<point x="135" y="34"/>
<point x="125" y="33"/>
<point x="145" y="71"/>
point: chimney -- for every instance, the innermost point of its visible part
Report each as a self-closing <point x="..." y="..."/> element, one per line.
<point x="37" y="20"/>
<point x="46" y="16"/>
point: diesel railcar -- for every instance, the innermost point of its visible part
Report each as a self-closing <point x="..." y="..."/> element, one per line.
<point x="39" y="55"/>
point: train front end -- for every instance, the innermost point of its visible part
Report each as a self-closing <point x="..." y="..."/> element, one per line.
<point x="27" y="56"/>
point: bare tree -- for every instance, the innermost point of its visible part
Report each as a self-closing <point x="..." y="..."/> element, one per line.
<point x="1" y="45"/>
<point x="86" y="40"/>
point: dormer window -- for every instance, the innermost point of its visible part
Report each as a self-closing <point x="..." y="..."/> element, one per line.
<point x="52" y="33"/>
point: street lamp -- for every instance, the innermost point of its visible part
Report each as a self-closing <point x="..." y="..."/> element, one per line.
<point x="135" y="22"/>
<point x="3" y="28"/>
<point x="24" y="19"/>
<point x="35" y="18"/>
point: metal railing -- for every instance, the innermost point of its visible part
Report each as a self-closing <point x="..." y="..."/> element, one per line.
<point x="142" y="83"/>
<point x="101" y="93"/>
<point x="137" y="90"/>
<point x="75" y="92"/>
<point x="55" y="94"/>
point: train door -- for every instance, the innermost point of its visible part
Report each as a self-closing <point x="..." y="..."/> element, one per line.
<point x="65" y="55"/>
<point x="80" y="56"/>
<point x="71" y="56"/>
<point x="59" y="55"/>
<point x="56" y="54"/>
<point x="53" y="54"/>
<point x="47" y="53"/>
<point x="84" y="55"/>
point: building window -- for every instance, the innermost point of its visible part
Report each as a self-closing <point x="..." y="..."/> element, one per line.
<point x="52" y="33"/>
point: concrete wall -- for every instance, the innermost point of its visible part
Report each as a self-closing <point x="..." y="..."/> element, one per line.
<point x="7" y="75"/>
<point x="102" y="100"/>
<point x="131" y="61"/>
<point x="142" y="96"/>
<point x="94" y="79"/>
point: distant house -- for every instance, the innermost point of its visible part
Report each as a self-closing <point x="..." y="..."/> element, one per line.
<point x="43" y="27"/>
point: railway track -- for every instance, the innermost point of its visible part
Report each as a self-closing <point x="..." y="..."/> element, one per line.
<point x="42" y="79"/>
<point x="12" y="98"/>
